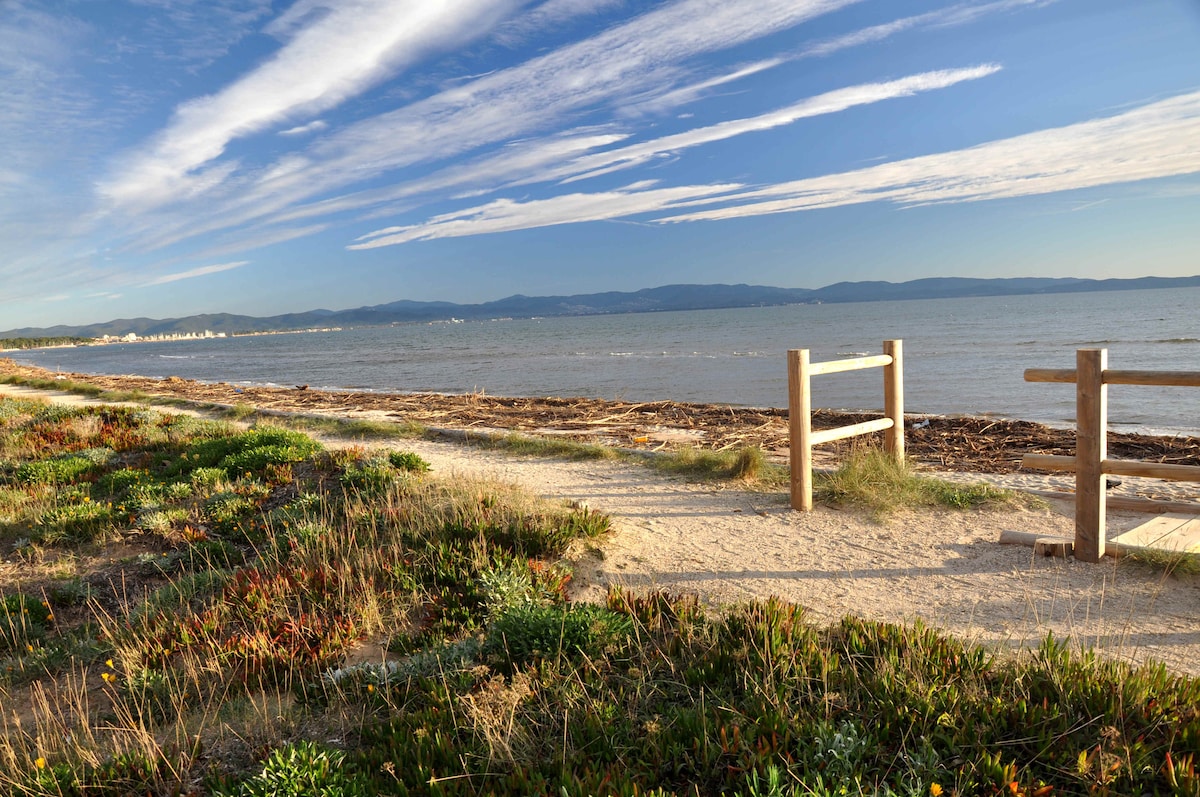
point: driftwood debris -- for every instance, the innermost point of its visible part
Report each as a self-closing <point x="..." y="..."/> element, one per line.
<point x="985" y="445"/>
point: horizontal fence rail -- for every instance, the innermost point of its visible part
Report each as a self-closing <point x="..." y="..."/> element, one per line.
<point x="1117" y="467"/>
<point x="801" y="436"/>
<point x="1091" y="377"/>
<point x="853" y="364"/>
<point x="854" y="430"/>
<point x="1113" y="377"/>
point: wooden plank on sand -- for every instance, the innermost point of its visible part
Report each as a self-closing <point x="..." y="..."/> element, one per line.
<point x="1042" y="544"/>
<point x="1173" y="533"/>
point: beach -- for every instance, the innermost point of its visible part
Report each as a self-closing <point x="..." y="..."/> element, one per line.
<point x="727" y="544"/>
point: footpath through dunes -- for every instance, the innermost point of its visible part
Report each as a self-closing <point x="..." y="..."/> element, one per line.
<point x="946" y="568"/>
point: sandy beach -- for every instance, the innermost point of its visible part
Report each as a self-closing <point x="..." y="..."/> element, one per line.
<point x="729" y="544"/>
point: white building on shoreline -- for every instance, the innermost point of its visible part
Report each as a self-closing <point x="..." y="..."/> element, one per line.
<point x="133" y="337"/>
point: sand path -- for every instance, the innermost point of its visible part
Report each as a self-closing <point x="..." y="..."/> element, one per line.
<point x="947" y="568"/>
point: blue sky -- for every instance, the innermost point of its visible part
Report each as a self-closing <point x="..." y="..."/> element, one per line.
<point x="169" y="157"/>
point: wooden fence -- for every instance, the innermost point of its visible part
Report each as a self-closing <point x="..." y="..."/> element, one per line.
<point x="801" y="436"/>
<point x="1091" y="463"/>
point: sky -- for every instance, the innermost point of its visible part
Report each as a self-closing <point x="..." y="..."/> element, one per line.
<point x="164" y="158"/>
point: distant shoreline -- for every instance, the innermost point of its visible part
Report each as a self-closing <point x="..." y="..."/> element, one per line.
<point x="661" y="299"/>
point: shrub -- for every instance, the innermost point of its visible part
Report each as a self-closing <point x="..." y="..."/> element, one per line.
<point x="226" y="511"/>
<point x="177" y="491"/>
<point x="536" y="535"/>
<point x="300" y="769"/>
<point x="236" y="454"/>
<point x="77" y="522"/>
<point x="153" y="696"/>
<point x="70" y="592"/>
<point x="527" y="633"/>
<point x="206" y="481"/>
<point x="116" y="485"/>
<point x="194" y="590"/>
<point x="406" y="460"/>
<point x="11" y="500"/>
<point x="23" y="619"/>
<point x="370" y="478"/>
<point x="59" y="470"/>
<point x="56" y="413"/>
<point x="256" y="459"/>
<point x="160" y="521"/>
<point x="144" y="497"/>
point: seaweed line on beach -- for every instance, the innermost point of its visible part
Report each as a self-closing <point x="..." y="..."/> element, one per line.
<point x="960" y="443"/>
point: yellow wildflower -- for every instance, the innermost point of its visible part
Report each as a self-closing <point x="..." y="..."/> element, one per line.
<point x="40" y="763"/>
<point x="935" y="789"/>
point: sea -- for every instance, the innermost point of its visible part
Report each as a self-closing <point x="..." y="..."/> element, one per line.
<point x="962" y="356"/>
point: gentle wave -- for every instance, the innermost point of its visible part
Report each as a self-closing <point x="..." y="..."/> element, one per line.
<point x="1136" y="342"/>
<point x="693" y="355"/>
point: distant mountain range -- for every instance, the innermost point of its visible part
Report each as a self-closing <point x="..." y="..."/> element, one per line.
<point x="667" y="297"/>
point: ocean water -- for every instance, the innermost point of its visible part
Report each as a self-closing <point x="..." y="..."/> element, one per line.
<point x="962" y="356"/>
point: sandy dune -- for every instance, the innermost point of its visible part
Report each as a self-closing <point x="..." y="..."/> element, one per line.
<point x="947" y="568"/>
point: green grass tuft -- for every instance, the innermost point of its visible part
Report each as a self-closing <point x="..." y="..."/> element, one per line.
<point x="1172" y="563"/>
<point x="873" y="480"/>
<point x="748" y="465"/>
<point x="531" y="445"/>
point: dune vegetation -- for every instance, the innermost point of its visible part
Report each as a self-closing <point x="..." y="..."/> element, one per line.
<point x="195" y="607"/>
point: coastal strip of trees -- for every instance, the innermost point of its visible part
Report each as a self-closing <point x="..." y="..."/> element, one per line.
<point x="37" y="343"/>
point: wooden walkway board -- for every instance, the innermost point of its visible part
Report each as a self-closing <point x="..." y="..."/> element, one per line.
<point x="1175" y="533"/>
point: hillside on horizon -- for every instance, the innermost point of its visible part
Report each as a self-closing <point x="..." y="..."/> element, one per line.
<point x="661" y="299"/>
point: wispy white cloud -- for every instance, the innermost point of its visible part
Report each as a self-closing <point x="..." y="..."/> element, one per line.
<point x="257" y="239"/>
<point x="563" y="158"/>
<point x="628" y="62"/>
<point x="44" y="113"/>
<point x="1154" y="141"/>
<point x="552" y="14"/>
<point x="831" y="102"/>
<point x="315" y="126"/>
<point x="961" y="14"/>
<point x="201" y="271"/>
<point x="658" y="102"/>
<point x="512" y="164"/>
<point x="335" y="51"/>
<point x="193" y="33"/>
<point x="554" y="164"/>
<point x="644" y="54"/>
<point x="504" y="215"/>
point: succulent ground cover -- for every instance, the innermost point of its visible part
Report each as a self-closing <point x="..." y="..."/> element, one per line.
<point x="190" y="607"/>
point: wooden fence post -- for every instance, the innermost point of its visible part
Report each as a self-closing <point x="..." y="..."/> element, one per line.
<point x="1091" y="449"/>
<point x="893" y="398"/>
<point x="800" y="428"/>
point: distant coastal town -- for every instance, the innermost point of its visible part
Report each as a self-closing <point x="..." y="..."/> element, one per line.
<point x="133" y="337"/>
<point x="14" y="344"/>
